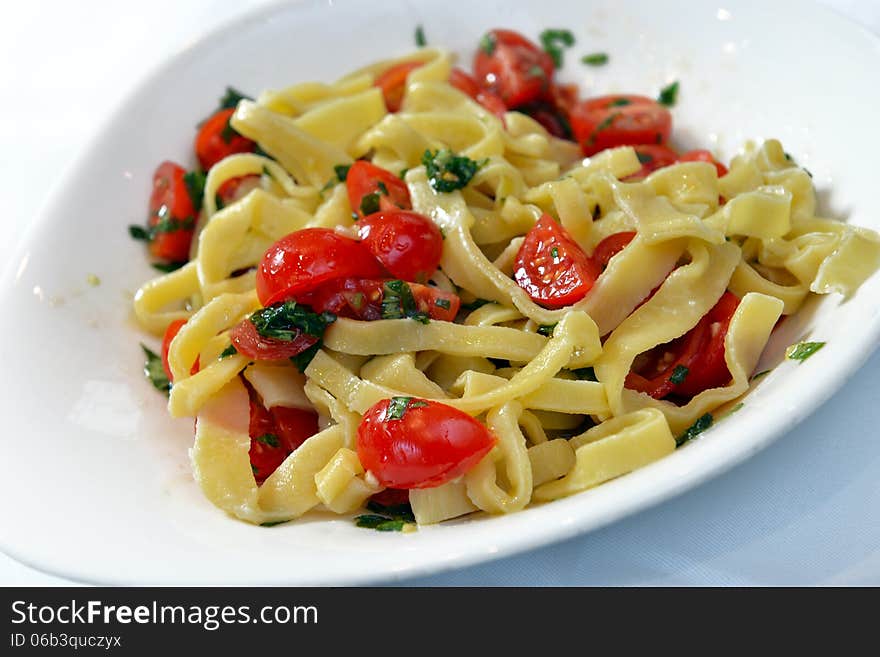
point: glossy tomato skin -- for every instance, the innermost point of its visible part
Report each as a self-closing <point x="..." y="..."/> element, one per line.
<point x="610" y="247"/>
<point x="294" y="425"/>
<point x="710" y="371"/>
<point x="392" y="82"/>
<point x="303" y="260"/>
<point x="512" y="67"/>
<point x="408" y="245"/>
<point x="551" y="267"/>
<point x="216" y="139"/>
<point x="359" y="298"/>
<point x="170" y="333"/>
<point x="619" y="120"/>
<point x="172" y="208"/>
<point x="275" y="433"/>
<point x="364" y="178"/>
<point x="703" y="156"/>
<point x="235" y="189"/>
<point x="468" y="85"/>
<point x="430" y="444"/>
<point x="248" y="342"/>
<point x="652" y="157"/>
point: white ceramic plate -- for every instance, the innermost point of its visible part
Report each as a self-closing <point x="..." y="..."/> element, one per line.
<point x="114" y="500"/>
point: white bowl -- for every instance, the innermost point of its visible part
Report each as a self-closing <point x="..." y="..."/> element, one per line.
<point x="110" y="497"/>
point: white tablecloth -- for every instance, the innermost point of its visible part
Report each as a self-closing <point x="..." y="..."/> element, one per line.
<point x="804" y="511"/>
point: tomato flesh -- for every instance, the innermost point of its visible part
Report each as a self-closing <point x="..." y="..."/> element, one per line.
<point x="236" y="189"/>
<point x="359" y="298"/>
<point x="408" y="245"/>
<point x="467" y="84"/>
<point x="393" y="83"/>
<point x="364" y="179"/>
<point x="619" y="120"/>
<point x="172" y="214"/>
<point x="703" y="156"/>
<point x="512" y="67"/>
<point x="248" y="342"/>
<point x="610" y="247"/>
<point x="551" y="267"/>
<point x="303" y="260"/>
<point x="422" y="445"/>
<point x="216" y="140"/>
<point x="170" y="333"/>
<point x="275" y="433"/>
<point x="652" y="157"/>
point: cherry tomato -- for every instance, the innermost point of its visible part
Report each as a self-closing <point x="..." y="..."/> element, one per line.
<point x="275" y="433"/>
<point x="610" y="247"/>
<point x="301" y="261"/>
<point x="700" y="351"/>
<point x="360" y="298"/>
<point x="609" y="121"/>
<point x="294" y="425"/>
<point x="217" y="139"/>
<point x="551" y="267"/>
<point x="170" y="333"/>
<point x="408" y="245"/>
<point x="512" y="67"/>
<point x="393" y="83"/>
<point x="236" y="189"/>
<point x="652" y="157"/>
<point x="391" y="497"/>
<point x="250" y="343"/>
<point x="364" y="179"/>
<point x="415" y="443"/>
<point x="549" y="117"/>
<point x="564" y="97"/>
<point x="172" y="215"/>
<point x="703" y="156"/>
<point x="467" y="84"/>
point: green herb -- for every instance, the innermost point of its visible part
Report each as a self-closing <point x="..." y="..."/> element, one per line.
<point x="553" y="42"/>
<point x="397" y="408"/>
<point x="585" y="374"/>
<point x="259" y="151"/>
<point x="195" y="187"/>
<point x="218" y="201"/>
<point x="679" y="374"/>
<point x="379" y="523"/>
<point x="303" y="358"/>
<point x="228" y="131"/>
<point x="139" y="233"/>
<point x="668" y="95"/>
<point x="155" y="371"/>
<point x="547" y="329"/>
<point x="272" y="523"/>
<point x="229" y="351"/>
<point x="165" y="224"/>
<point x="443" y="303"/>
<point x="254" y="469"/>
<point x="403" y="173"/>
<point x="370" y="203"/>
<point x="606" y="123"/>
<point x="487" y="43"/>
<point x="398" y="303"/>
<point x="620" y="102"/>
<point x="803" y="350"/>
<point x="448" y="171"/>
<point x="761" y="375"/>
<point x="287" y="321"/>
<point x="394" y="511"/>
<point x="167" y="267"/>
<point x="269" y="439"/>
<point x="476" y="303"/>
<point x="554" y="252"/>
<point x="421" y="42"/>
<point x="231" y="98"/>
<point x="644" y="158"/>
<point x="341" y="171"/>
<point x="595" y="59"/>
<point x="537" y="72"/>
<point x="698" y="427"/>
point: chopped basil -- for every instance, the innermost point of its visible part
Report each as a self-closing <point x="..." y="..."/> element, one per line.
<point x="155" y="371"/>
<point x="803" y="350"/>
<point x="229" y="351"/>
<point x="370" y="203"/>
<point x="195" y="187"/>
<point x="379" y="523"/>
<point x="228" y="131"/>
<point x="395" y="511"/>
<point x="487" y="43"/>
<point x="288" y="320"/>
<point x="303" y="358"/>
<point x="448" y="171"/>
<point x="167" y="267"/>
<point x="397" y="407"/>
<point x="271" y="523"/>
<point x="341" y="171"/>
<point x="269" y="439"/>
<point x="165" y="224"/>
<point x="231" y="98"/>
<point x="554" y="252"/>
<point x="553" y="42"/>
<point x="218" y="201"/>
<point x="443" y="303"/>
<point x="606" y="123"/>
<point x="421" y="42"/>
<point x="398" y="302"/>
<point x="547" y="329"/>
<point x="402" y="174"/>
<point x="254" y="469"/>
<point x="620" y="102"/>
<point x="679" y="374"/>
<point x="644" y="158"/>
<point x="668" y="94"/>
<point x="585" y="374"/>
<point x="698" y="427"/>
<point x="139" y="233"/>
<point x="595" y="59"/>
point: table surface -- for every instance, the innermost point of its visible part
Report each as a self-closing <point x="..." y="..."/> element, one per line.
<point x="806" y="511"/>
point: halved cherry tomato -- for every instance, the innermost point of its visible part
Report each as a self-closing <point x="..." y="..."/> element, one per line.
<point x="393" y="83"/>
<point x="217" y="139"/>
<point x="467" y="84"/>
<point x="301" y="261"/>
<point x="360" y="298"/>
<point x="391" y="497"/>
<point x="236" y="189"/>
<point x="652" y="157"/>
<point x="512" y="67"/>
<point x="408" y="245"/>
<point x="703" y="156"/>
<point x="415" y="443"/>
<point x="549" y="117"/>
<point x="551" y="267"/>
<point x="294" y="425"/>
<point x="700" y="351"/>
<point x="364" y="178"/>
<point x="564" y="97"/>
<point x="250" y="343"/>
<point x="619" y="120"/>
<point x="172" y="215"/>
<point x="275" y="433"/>
<point x="170" y="333"/>
<point x="610" y="247"/>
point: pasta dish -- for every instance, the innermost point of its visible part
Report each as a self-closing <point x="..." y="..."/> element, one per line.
<point x="427" y="293"/>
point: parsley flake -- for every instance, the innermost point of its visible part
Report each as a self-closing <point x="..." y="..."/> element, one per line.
<point x="398" y="406"/>
<point x="620" y="102"/>
<point x="698" y="427"/>
<point x="554" y="41"/>
<point x="803" y="350"/>
<point x="229" y="351"/>
<point x="547" y="329"/>
<point x="195" y="187"/>
<point x="167" y="267"/>
<point x="487" y="43"/>
<point x="231" y="98"/>
<point x="669" y="95"/>
<point x="287" y="321"/>
<point x="379" y="523"/>
<point x="679" y="374"/>
<point x="155" y="371"/>
<point x="585" y="374"/>
<point x="421" y="41"/>
<point x="447" y="171"/>
<point x="443" y="303"/>
<point x="269" y="439"/>
<point x="370" y="203"/>
<point x="595" y="59"/>
<point x="398" y="302"/>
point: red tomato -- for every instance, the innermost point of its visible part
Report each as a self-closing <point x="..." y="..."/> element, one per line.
<point x="550" y="118"/>
<point x="652" y="157"/>
<point x="512" y="67"/>
<point x="700" y="350"/>
<point x="703" y="156"/>
<point x="235" y="189"/>
<point x="564" y="97"/>
<point x="609" y="121"/>
<point x="464" y="82"/>
<point x="467" y="84"/>
<point x="391" y="497"/>
<point x="250" y="343"/>
<point x="170" y="333"/>
<point x="171" y="209"/>
<point x="393" y="83"/>
<point x="217" y="139"/>
<point x="551" y="267"/>
<point x="294" y="425"/>
<point x="364" y="178"/>
<point x="610" y="247"/>
<point x="361" y="299"/>
<point x="275" y="433"/>
<point x="407" y="244"/>
<point x="415" y="443"/>
<point x="301" y="261"/>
